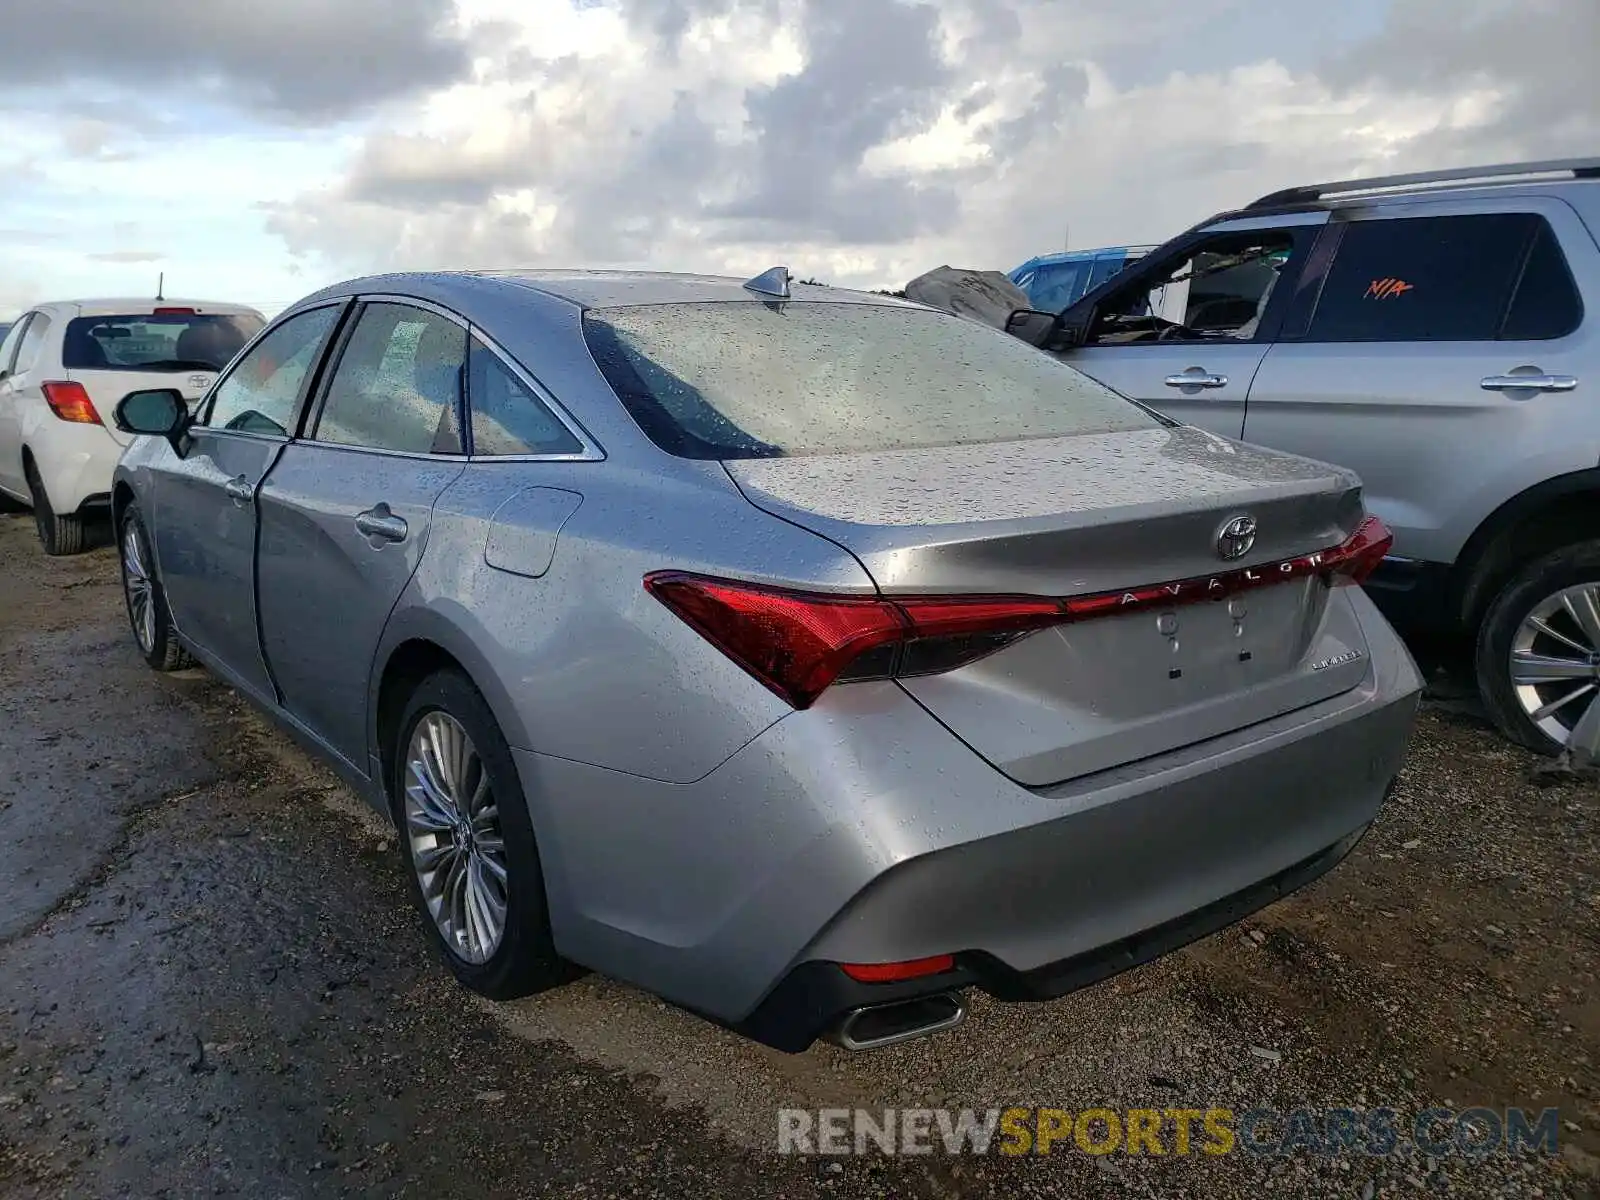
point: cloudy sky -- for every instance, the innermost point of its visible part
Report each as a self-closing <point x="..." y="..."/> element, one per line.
<point x="256" y="149"/>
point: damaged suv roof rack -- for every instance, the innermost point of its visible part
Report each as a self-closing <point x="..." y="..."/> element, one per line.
<point x="1576" y="168"/>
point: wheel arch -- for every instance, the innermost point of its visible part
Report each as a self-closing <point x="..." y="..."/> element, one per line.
<point x="416" y="643"/>
<point x="121" y="497"/>
<point x="1531" y="524"/>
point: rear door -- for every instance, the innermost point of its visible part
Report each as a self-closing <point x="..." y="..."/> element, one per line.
<point x="345" y="513"/>
<point x="1187" y="329"/>
<point x="205" y="501"/>
<point x="1437" y="352"/>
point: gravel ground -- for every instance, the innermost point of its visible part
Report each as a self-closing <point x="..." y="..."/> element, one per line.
<point x="210" y="984"/>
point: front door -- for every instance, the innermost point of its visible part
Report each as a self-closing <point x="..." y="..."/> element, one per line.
<point x="1187" y="329"/>
<point x="205" y="501"/>
<point x="345" y="513"/>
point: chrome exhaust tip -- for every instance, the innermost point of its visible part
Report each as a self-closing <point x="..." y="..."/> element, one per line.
<point x="874" y="1026"/>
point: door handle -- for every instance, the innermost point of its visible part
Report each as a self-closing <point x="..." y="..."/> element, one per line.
<point x="381" y="525"/>
<point x="240" y="490"/>
<point x="1199" y="379"/>
<point x="1528" y="383"/>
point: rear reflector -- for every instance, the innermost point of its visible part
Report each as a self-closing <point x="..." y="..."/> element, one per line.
<point x="800" y="643"/>
<point x="896" y="971"/>
<point x="70" y="402"/>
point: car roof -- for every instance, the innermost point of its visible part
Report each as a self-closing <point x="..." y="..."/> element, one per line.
<point x="1069" y="256"/>
<point x="594" y="289"/>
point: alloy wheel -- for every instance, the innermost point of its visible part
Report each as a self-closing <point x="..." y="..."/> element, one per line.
<point x="138" y="587"/>
<point x="1555" y="667"/>
<point x="457" y="849"/>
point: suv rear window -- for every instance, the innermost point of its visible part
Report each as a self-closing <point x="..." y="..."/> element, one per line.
<point x="750" y="380"/>
<point x="156" y="341"/>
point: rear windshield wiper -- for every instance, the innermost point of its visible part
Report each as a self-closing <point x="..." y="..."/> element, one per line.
<point x="175" y="364"/>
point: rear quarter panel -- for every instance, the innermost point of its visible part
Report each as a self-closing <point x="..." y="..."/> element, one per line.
<point x="580" y="661"/>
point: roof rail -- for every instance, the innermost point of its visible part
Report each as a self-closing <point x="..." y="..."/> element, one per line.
<point x="1578" y="168"/>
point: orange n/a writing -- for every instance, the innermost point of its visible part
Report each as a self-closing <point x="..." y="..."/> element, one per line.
<point x="1386" y="289"/>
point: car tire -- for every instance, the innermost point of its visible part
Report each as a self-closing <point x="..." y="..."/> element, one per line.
<point x="449" y="846"/>
<point x="59" y="535"/>
<point x="1540" y="595"/>
<point x="148" y="615"/>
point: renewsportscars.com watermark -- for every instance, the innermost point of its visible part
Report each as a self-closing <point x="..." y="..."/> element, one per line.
<point x="1020" y="1130"/>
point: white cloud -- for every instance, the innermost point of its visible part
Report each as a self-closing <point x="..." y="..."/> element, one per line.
<point x="861" y="141"/>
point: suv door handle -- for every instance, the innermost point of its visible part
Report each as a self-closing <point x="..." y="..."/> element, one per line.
<point x="1528" y="383"/>
<point x="379" y="524"/>
<point x="1199" y="379"/>
<point x="240" y="490"/>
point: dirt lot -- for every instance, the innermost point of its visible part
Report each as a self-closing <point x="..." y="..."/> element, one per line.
<point x="210" y="985"/>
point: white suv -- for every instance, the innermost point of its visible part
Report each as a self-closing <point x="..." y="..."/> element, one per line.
<point x="64" y="366"/>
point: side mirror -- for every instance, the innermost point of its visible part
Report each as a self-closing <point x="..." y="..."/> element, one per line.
<point x="159" y="412"/>
<point x="1072" y="328"/>
<point x="1031" y="325"/>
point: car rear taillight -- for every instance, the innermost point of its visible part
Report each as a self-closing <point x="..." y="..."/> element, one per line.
<point x="175" y="312"/>
<point x="800" y="643"/>
<point x="70" y="402"/>
<point x="1358" y="557"/>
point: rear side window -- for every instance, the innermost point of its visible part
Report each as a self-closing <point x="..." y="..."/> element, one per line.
<point x="8" y="346"/>
<point x="1547" y="304"/>
<point x="32" y="340"/>
<point x="1459" y="279"/>
<point x="398" y="383"/>
<point x="750" y="380"/>
<point x="173" y="341"/>
<point x="507" y="418"/>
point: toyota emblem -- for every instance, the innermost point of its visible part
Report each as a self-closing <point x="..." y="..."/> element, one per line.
<point x="1235" y="539"/>
<point x="200" y="381"/>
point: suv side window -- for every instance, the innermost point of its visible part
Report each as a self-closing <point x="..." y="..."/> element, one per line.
<point x="1466" y="278"/>
<point x="32" y="339"/>
<point x="261" y="392"/>
<point x="398" y="383"/>
<point x="1547" y="304"/>
<point x="1218" y="292"/>
<point x="507" y="418"/>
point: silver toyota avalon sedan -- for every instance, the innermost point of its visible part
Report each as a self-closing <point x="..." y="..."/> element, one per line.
<point x="804" y="657"/>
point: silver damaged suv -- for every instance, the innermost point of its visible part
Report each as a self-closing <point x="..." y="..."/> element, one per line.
<point x="1439" y="334"/>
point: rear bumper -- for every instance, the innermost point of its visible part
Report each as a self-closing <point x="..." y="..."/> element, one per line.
<point x="861" y="831"/>
<point x="814" y="997"/>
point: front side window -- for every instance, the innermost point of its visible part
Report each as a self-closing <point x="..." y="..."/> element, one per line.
<point x="1431" y="279"/>
<point x="398" y="383"/>
<point x="260" y="394"/>
<point x="749" y="380"/>
<point x="159" y="341"/>
<point x="32" y="341"/>
<point x="1219" y="291"/>
<point x="507" y="418"/>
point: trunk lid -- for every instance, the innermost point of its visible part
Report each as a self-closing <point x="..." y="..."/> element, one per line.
<point x="106" y="389"/>
<point x="1089" y="514"/>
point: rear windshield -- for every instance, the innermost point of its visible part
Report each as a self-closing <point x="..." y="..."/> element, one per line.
<point x="752" y="380"/>
<point x="156" y="341"/>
